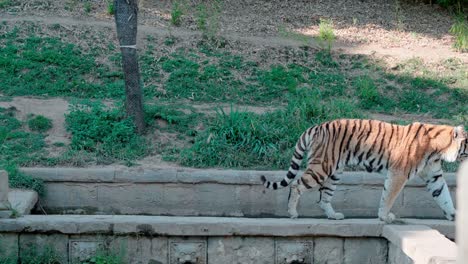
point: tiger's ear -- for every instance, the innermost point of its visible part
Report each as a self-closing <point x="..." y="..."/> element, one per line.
<point x="459" y="133"/>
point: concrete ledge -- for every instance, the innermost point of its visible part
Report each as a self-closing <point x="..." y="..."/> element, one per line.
<point x="197" y="226"/>
<point x="419" y="244"/>
<point x="190" y="226"/>
<point x="187" y="175"/>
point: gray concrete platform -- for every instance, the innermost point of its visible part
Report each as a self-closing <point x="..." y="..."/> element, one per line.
<point x="203" y="226"/>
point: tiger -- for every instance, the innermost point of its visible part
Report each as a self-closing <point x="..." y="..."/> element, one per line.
<point x="397" y="151"/>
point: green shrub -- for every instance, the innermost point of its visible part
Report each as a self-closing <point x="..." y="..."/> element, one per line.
<point x="40" y="123"/>
<point x="326" y="34"/>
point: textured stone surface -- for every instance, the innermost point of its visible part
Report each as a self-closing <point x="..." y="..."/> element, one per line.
<point x="462" y="214"/>
<point x="195" y="226"/>
<point x="140" y="249"/>
<point x="214" y="193"/>
<point x="22" y="201"/>
<point x="365" y="251"/>
<point x="328" y="250"/>
<point x="8" y="247"/>
<point x="397" y="256"/>
<point x="37" y="244"/>
<point x="421" y="243"/>
<point x="4" y="188"/>
<point x="239" y="250"/>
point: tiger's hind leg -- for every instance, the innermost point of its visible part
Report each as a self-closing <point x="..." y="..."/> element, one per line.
<point x="326" y="195"/>
<point x="305" y="183"/>
<point x="293" y="200"/>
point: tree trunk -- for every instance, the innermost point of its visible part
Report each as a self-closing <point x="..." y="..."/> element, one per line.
<point x="126" y="12"/>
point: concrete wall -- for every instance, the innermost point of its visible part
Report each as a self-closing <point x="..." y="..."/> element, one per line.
<point x="219" y="240"/>
<point x="161" y="240"/>
<point x="189" y="192"/>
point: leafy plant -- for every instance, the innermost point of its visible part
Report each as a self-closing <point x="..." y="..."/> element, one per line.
<point x="87" y="6"/>
<point x="110" y="7"/>
<point x="326" y="34"/>
<point x="104" y="257"/>
<point x="177" y="12"/>
<point x="40" y="123"/>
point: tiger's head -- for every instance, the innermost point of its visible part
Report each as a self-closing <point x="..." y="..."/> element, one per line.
<point x="463" y="150"/>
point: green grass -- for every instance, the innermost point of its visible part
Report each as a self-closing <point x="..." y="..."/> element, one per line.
<point x="241" y="139"/>
<point x="177" y="13"/>
<point x="460" y="30"/>
<point x="303" y="86"/>
<point x="47" y="66"/>
<point x="106" y="133"/>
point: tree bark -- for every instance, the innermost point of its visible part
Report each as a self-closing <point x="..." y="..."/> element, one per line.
<point x="126" y="14"/>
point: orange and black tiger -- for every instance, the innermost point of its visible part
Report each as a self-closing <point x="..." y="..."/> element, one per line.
<point x="401" y="152"/>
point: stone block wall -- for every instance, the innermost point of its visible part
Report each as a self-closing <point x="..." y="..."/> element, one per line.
<point x="215" y="193"/>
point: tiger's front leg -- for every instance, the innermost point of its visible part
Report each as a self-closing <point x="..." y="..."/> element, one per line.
<point x="437" y="187"/>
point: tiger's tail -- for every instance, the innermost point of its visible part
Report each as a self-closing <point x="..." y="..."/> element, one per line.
<point x="302" y="146"/>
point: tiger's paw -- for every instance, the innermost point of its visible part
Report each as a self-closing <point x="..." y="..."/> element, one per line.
<point x="293" y="214"/>
<point x="336" y="216"/>
<point x="450" y="217"/>
<point x="389" y="218"/>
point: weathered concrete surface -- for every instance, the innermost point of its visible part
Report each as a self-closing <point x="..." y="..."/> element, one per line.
<point x="397" y="256"/>
<point x="365" y="250"/>
<point x="462" y="214"/>
<point x="4" y="188"/>
<point x="329" y="250"/>
<point x="240" y="250"/>
<point x="214" y="193"/>
<point x="22" y="201"/>
<point x="195" y="226"/>
<point x="421" y="244"/>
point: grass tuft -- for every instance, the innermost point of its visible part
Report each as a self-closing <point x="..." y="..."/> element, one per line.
<point x="39" y="123"/>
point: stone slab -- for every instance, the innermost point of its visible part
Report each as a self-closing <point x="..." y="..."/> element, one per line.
<point x="421" y="243"/>
<point x="240" y="250"/>
<point x="328" y="250"/>
<point x="365" y="251"/>
<point x="22" y="201"/>
<point x="188" y="175"/>
<point x="462" y="214"/>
